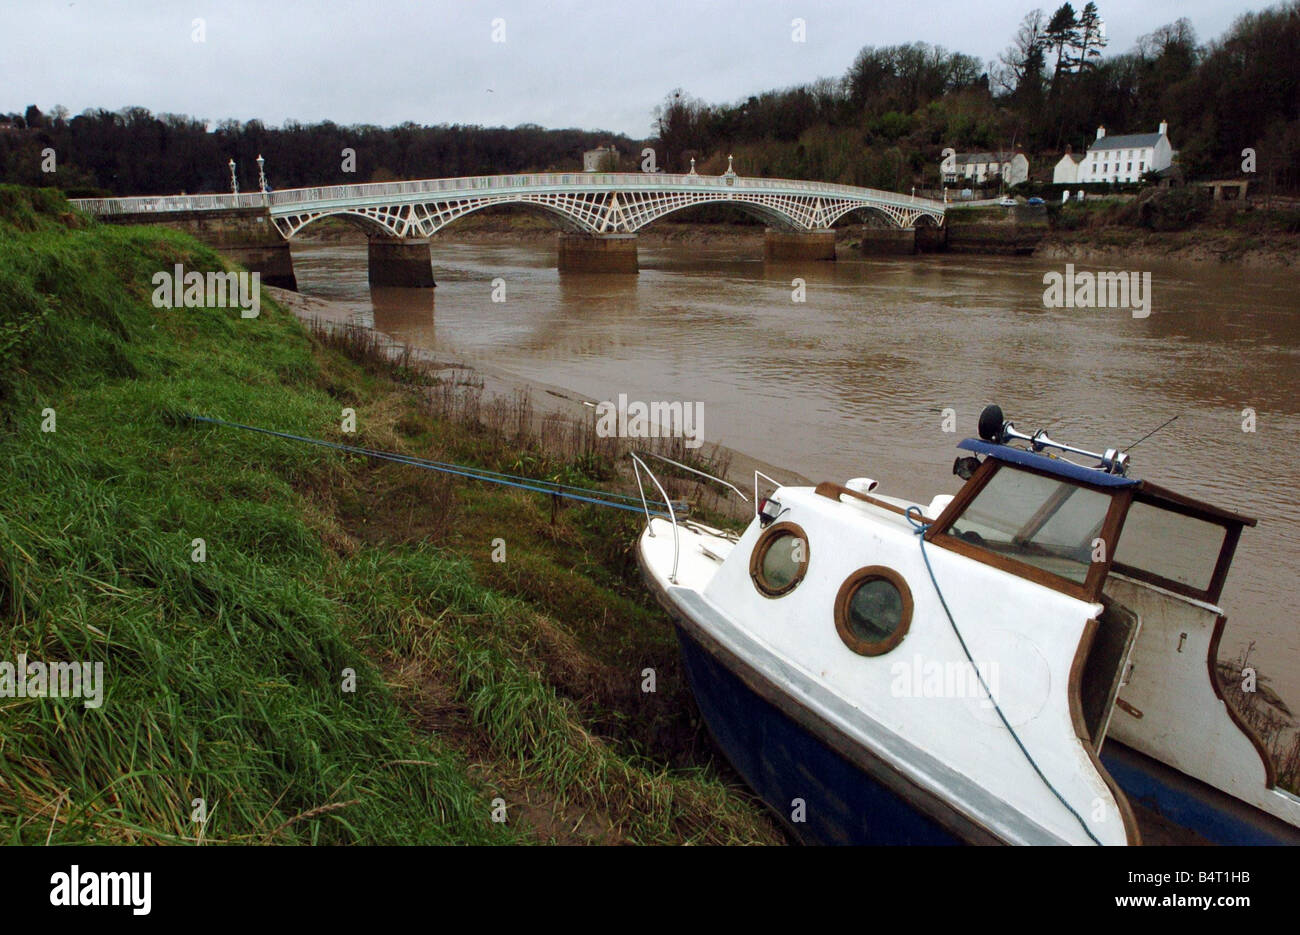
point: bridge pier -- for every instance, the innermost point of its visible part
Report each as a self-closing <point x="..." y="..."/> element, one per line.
<point x="598" y="253"/>
<point x="798" y="245"/>
<point x="403" y="263"/>
<point x="889" y="241"/>
<point x="931" y="239"/>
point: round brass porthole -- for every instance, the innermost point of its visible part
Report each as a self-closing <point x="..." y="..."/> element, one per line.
<point x="873" y="610"/>
<point x="779" y="560"/>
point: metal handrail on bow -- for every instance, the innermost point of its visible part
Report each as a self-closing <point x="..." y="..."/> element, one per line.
<point x="637" y="466"/>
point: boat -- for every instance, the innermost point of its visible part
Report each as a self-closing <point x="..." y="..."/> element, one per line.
<point x="1030" y="660"/>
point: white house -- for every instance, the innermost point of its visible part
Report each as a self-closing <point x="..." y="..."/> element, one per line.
<point x="1125" y="158"/>
<point x="599" y="159"/>
<point x="1066" y="172"/>
<point x="979" y="168"/>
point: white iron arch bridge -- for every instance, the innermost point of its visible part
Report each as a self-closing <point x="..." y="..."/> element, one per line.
<point x="580" y="202"/>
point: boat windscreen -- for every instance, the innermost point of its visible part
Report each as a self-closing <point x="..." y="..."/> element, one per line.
<point x="1042" y="521"/>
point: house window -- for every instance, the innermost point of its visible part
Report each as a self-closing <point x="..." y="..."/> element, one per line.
<point x="1142" y="166"/>
<point x="1130" y="167"/>
<point x="1105" y="167"/>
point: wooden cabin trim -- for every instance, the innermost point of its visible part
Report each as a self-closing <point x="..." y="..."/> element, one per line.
<point x="1180" y="503"/>
<point x="1226" y="553"/>
<point x="833" y="491"/>
<point x="1211" y="659"/>
<point x="963" y="497"/>
<point x="1169" y="584"/>
<point x="1012" y="566"/>
<point x="1074" y="692"/>
<point x="1111" y="529"/>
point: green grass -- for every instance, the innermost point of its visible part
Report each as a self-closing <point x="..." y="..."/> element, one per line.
<point x="224" y="677"/>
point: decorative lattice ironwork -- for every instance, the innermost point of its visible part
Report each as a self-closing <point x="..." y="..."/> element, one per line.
<point x="596" y="203"/>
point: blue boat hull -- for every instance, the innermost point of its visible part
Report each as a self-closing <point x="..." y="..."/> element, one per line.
<point x="785" y="764"/>
<point x="1215" y="817"/>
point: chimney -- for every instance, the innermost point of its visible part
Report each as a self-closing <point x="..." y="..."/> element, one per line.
<point x="1101" y="131"/>
<point x="1164" y="128"/>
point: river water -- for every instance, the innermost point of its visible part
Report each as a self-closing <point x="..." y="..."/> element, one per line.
<point x="854" y="379"/>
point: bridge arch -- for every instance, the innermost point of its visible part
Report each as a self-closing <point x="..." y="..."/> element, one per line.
<point x="370" y="226"/>
<point x="560" y="219"/>
<point x="896" y="215"/>
<point x="867" y="214"/>
<point x="765" y="213"/>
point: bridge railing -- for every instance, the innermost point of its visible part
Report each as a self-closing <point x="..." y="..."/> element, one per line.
<point x="166" y="203"/>
<point x="597" y="180"/>
<point x="657" y="181"/>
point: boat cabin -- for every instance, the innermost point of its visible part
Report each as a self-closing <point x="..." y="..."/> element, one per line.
<point x="1145" y="553"/>
<point x="1079" y="604"/>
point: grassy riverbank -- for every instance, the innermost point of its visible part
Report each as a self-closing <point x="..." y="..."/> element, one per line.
<point x="475" y="680"/>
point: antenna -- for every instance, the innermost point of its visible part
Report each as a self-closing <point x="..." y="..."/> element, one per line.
<point x="1149" y="434"/>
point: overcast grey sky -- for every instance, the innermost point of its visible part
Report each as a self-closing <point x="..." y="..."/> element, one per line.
<point x="564" y="63"/>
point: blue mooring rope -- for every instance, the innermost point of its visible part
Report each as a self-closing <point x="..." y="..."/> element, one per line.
<point x="919" y="526"/>
<point x="606" y="498"/>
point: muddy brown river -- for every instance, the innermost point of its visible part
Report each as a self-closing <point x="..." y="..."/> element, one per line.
<point x="854" y="380"/>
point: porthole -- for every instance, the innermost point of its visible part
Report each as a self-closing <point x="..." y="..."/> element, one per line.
<point x="779" y="559"/>
<point x="873" y="610"/>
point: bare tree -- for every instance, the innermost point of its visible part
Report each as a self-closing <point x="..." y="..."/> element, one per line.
<point x="1024" y="57"/>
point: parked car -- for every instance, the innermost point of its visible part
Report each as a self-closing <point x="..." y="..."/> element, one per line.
<point x="1036" y="201"/>
<point x="1008" y="202"/>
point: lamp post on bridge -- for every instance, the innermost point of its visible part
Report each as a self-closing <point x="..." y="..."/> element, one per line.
<point x="261" y="176"/>
<point x="234" y="182"/>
